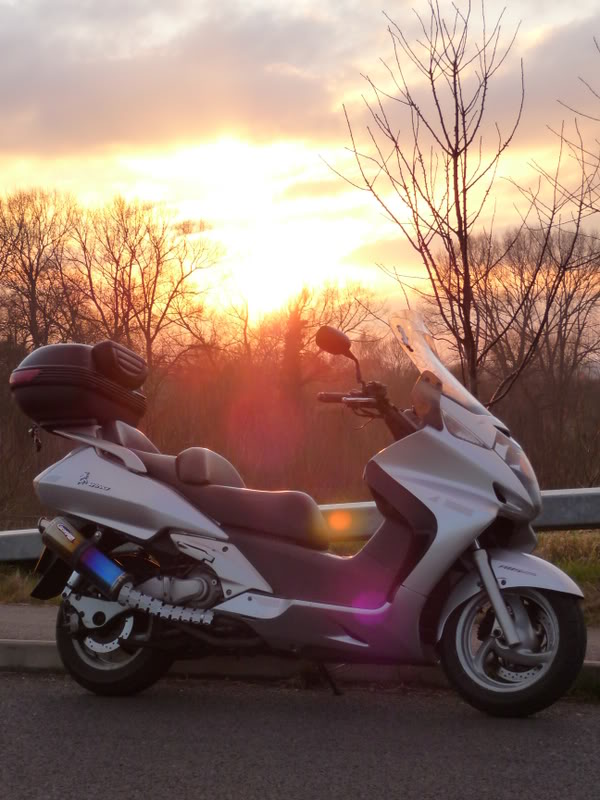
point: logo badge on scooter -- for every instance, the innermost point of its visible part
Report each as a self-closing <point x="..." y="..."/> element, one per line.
<point x="84" y="480"/>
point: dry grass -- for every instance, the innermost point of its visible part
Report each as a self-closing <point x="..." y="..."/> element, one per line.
<point x="16" y="585"/>
<point x="578" y="554"/>
<point x="575" y="547"/>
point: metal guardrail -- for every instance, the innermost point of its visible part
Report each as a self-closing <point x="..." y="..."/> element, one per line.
<point x="563" y="510"/>
<point x="569" y="510"/>
<point x="21" y="545"/>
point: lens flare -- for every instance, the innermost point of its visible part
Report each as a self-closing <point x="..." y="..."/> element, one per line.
<point x="340" y="521"/>
<point x="369" y="600"/>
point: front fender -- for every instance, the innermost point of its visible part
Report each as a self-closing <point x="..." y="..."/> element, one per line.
<point x="512" y="569"/>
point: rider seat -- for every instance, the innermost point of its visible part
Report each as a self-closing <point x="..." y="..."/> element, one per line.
<point x="216" y="488"/>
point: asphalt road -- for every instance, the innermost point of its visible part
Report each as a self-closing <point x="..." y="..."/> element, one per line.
<point x="218" y="740"/>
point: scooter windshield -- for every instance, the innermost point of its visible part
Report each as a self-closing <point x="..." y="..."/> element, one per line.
<point x="419" y="345"/>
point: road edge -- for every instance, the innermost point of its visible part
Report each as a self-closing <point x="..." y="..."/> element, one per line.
<point x="21" y="655"/>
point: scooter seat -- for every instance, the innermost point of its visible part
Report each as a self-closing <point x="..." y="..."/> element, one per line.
<point x="215" y="487"/>
<point x="288" y="514"/>
<point x="285" y="514"/>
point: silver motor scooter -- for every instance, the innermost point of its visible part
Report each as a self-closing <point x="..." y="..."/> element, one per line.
<point x="159" y="557"/>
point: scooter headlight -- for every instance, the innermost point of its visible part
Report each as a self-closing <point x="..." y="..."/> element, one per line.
<point x="459" y="430"/>
<point x="510" y="452"/>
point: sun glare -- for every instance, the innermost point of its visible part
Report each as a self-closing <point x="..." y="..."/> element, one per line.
<point x="281" y="218"/>
<point x="275" y="241"/>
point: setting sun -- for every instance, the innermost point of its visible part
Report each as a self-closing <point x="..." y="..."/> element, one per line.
<point x="280" y="215"/>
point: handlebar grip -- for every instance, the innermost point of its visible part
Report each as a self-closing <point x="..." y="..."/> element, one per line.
<point x="331" y="397"/>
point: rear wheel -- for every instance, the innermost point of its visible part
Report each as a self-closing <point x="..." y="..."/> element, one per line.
<point x="100" y="659"/>
<point x="515" y="682"/>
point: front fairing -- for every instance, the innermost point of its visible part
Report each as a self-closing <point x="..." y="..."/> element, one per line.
<point x="464" y="486"/>
<point x="464" y="417"/>
<point x="513" y="480"/>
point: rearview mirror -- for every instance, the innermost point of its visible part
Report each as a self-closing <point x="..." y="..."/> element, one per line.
<point x="333" y="341"/>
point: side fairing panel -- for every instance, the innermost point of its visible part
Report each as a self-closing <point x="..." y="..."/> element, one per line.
<point x="94" y="487"/>
<point x="455" y="480"/>
<point x="389" y="634"/>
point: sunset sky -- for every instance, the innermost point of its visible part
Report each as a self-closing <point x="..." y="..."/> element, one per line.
<point x="227" y="111"/>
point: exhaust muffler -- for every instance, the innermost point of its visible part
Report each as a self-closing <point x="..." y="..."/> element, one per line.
<point x="62" y="538"/>
<point x="80" y="553"/>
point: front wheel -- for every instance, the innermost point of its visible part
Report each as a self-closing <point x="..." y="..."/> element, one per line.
<point x="515" y="682"/>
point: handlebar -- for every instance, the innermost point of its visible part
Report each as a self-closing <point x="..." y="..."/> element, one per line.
<point x="373" y="395"/>
<point x="351" y="398"/>
<point x="332" y="397"/>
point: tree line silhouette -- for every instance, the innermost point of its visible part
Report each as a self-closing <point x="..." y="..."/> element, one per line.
<point x="131" y="272"/>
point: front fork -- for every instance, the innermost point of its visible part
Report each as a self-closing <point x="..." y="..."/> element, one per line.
<point x="490" y="584"/>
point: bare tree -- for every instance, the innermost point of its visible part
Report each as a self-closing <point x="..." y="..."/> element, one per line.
<point x="571" y="335"/>
<point x="252" y="341"/>
<point x="140" y="272"/>
<point x="428" y="163"/>
<point x="35" y="227"/>
<point x="288" y="335"/>
<point x="350" y="309"/>
<point x="547" y="406"/>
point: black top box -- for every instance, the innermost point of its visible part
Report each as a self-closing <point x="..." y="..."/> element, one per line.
<point x="64" y="385"/>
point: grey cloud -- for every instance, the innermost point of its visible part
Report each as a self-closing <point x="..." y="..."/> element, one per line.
<point x="80" y="76"/>
<point x="552" y="70"/>
<point x="92" y="75"/>
<point x="552" y="67"/>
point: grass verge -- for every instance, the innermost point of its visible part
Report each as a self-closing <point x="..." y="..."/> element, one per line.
<point x="16" y="584"/>
<point x="578" y="554"/>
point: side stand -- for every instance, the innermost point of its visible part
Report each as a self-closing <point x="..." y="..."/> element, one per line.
<point x="329" y="679"/>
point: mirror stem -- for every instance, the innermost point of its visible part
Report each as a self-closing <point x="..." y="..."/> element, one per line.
<point x="358" y="373"/>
